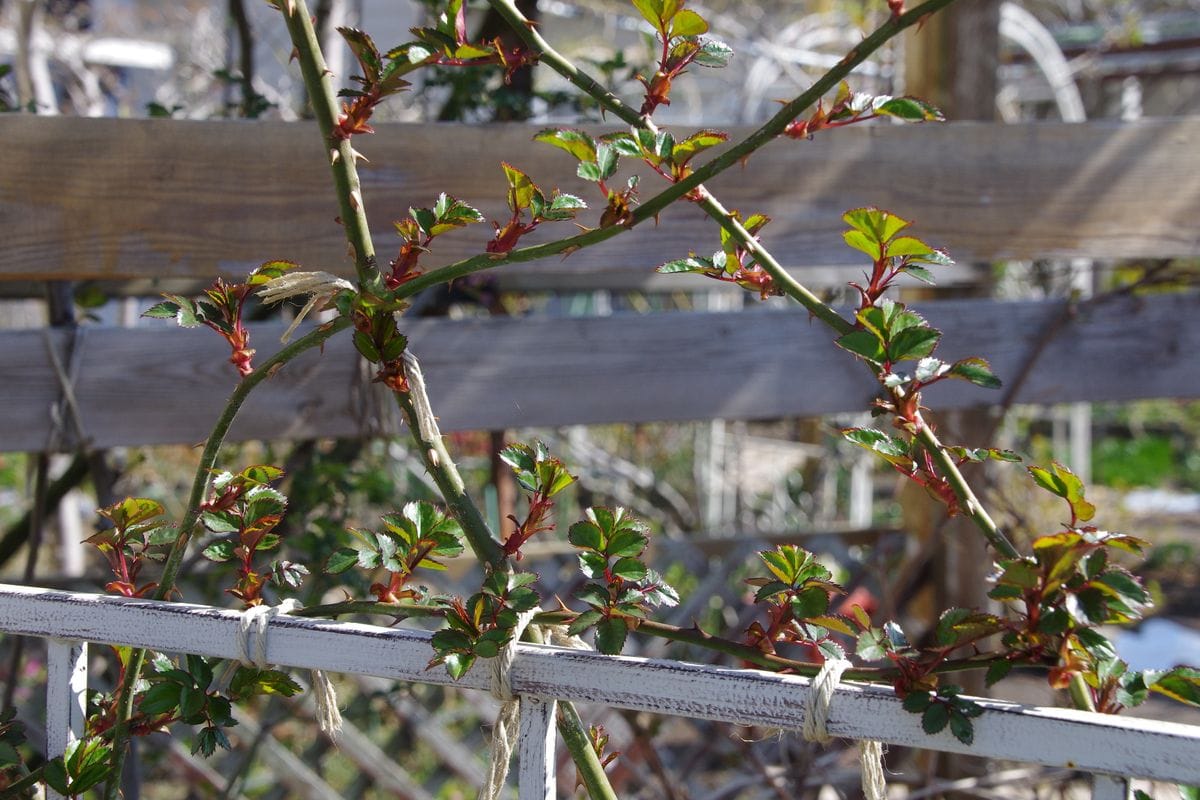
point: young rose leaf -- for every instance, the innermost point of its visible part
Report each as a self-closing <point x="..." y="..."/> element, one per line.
<point x="864" y="243"/>
<point x="561" y="207"/>
<point x="865" y="344"/>
<point x="698" y="142"/>
<point x="910" y="109"/>
<point x="688" y="23"/>
<point x="912" y="343"/>
<point x="920" y="273"/>
<point x="1061" y="481"/>
<point x="458" y="664"/>
<point x="977" y="371"/>
<point x="520" y="188"/>
<point x="604" y="165"/>
<point x="962" y="728"/>
<point x="997" y="671"/>
<point x="610" y="635"/>
<point x="584" y="621"/>
<point x="934" y="718"/>
<point x="586" y="535"/>
<point x="630" y="569"/>
<point x="365" y="51"/>
<point x="341" y="560"/>
<point x="220" y="551"/>
<point x="690" y="264"/>
<point x="893" y="449"/>
<point x="252" y="682"/>
<point x="712" y="53"/>
<point x="877" y="225"/>
<point x="1181" y="683"/>
<point x="577" y="143"/>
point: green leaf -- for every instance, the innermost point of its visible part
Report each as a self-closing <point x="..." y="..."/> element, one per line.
<point x="934" y="718"/>
<point x="877" y="225"/>
<point x="586" y="535"/>
<point x="997" y="671"/>
<point x="690" y="264"/>
<point x="696" y="143"/>
<point x="577" y="143"/>
<point x="603" y="167"/>
<point x="912" y="343"/>
<point x="962" y="728"/>
<point x="688" y="23"/>
<point x="631" y="569"/>
<point x="864" y="243"/>
<point x="910" y="109"/>
<point x="712" y="53"/>
<point x="584" y="621"/>
<point x="1061" y="481"/>
<point x="893" y="449"/>
<point x="252" y="682"/>
<point x="520" y="188"/>
<point x="365" y="51"/>
<point x="812" y="602"/>
<point x="458" y="664"/>
<point x="864" y="344"/>
<point x="161" y="698"/>
<point x="610" y="635"/>
<point x="1181" y="683"/>
<point x="975" y="370"/>
<point x="220" y="551"/>
<point x="341" y="560"/>
<point x="917" y="702"/>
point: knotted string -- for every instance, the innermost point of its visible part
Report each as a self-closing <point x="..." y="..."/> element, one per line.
<point x="252" y="650"/>
<point x="505" y="732"/>
<point x="816" y="721"/>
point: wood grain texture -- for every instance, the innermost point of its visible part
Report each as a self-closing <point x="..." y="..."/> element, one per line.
<point x="165" y="385"/>
<point x="120" y="199"/>
<point x="1008" y="731"/>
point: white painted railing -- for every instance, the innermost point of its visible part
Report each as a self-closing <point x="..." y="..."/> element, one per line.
<point x="1112" y="748"/>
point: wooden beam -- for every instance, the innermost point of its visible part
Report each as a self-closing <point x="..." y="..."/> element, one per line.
<point x="1005" y="731"/>
<point x="122" y="199"/>
<point x="166" y="385"/>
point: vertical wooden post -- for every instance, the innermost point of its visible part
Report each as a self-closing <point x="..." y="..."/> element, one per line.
<point x="535" y="753"/>
<point x="66" y="696"/>
<point x="1107" y="787"/>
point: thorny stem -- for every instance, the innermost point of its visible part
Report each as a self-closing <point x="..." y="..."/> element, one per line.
<point x="319" y="82"/>
<point x="740" y="151"/>
<point x="423" y="428"/>
<point x="191" y="519"/>
<point x="415" y="402"/>
<point x="591" y="771"/>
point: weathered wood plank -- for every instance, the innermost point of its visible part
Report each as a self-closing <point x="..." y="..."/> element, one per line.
<point x="1008" y="731"/>
<point x="66" y="697"/>
<point x="119" y="199"/>
<point x="536" y="778"/>
<point x="157" y="386"/>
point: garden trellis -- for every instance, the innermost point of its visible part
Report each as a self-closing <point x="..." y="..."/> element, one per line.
<point x="1112" y="747"/>
<point x="110" y="239"/>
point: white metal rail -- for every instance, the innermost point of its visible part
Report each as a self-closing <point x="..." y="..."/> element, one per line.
<point x="1113" y="748"/>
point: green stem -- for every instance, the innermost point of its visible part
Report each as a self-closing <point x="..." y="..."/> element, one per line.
<point x="191" y="519"/>
<point x="423" y="428"/>
<point x="967" y="500"/>
<point x="1081" y="694"/>
<point x="319" y="82"/>
<point x="591" y="771"/>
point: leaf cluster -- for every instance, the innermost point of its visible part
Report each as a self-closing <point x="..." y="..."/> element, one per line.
<point x="85" y="764"/>
<point x="524" y="196"/>
<point x="415" y="538"/>
<point x="542" y="477"/>
<point x="849" y="107"/>
<point x="138" y="533"/>
<point x="733" y="263"/>
<point x="244" y="510"/>
<point x="682" y="34"/>
<point x="796" y="594"/>
<point x="621" y="588"/>
<point x="485" y="622"/>
<point x="420" y="228"/>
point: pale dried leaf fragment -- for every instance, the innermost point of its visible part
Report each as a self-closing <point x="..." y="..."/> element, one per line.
<point x="319" y="287"/>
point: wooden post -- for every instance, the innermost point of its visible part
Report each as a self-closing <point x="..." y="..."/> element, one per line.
<point x="535" y="754"/>
<point x="66" y="696"/>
